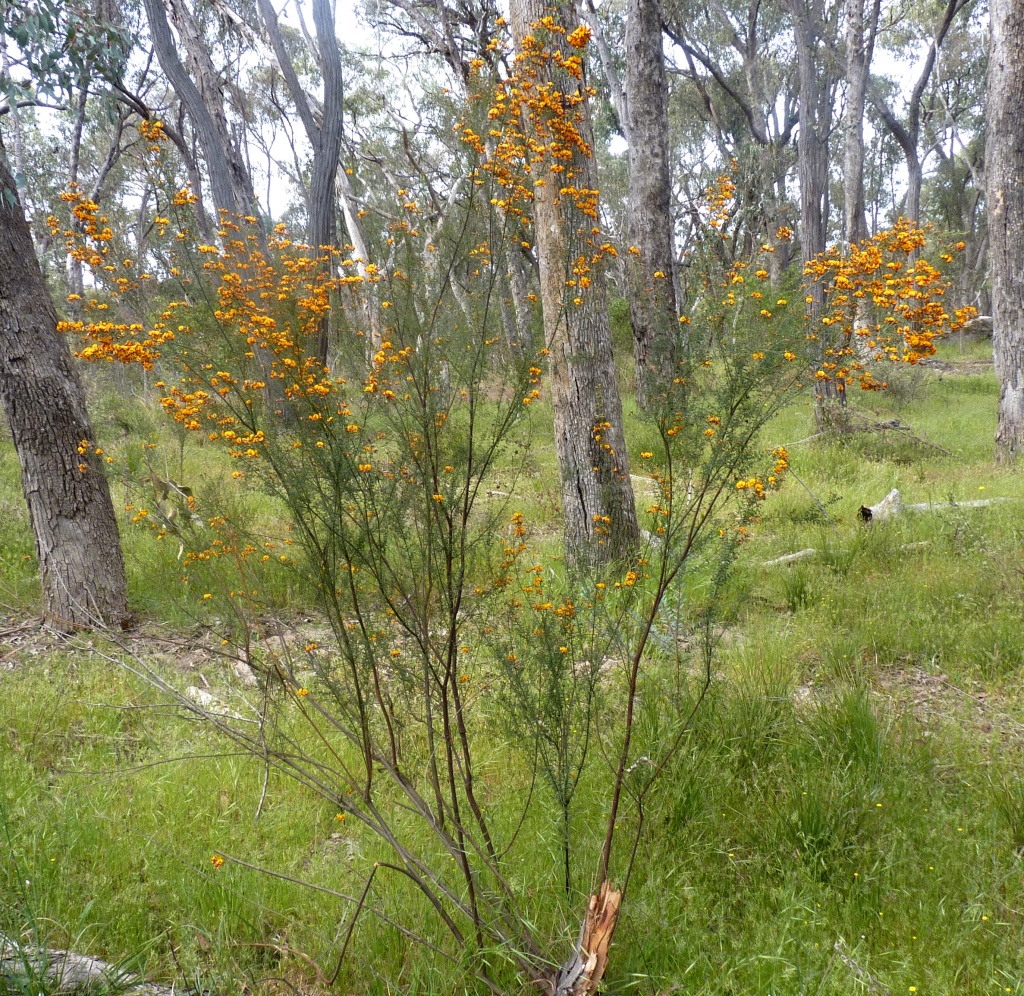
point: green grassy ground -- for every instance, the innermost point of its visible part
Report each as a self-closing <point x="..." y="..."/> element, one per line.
<point x="855" y="772"/>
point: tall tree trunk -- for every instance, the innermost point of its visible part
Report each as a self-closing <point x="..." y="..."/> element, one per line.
<point x="598" y="508"/>
<point x="860" y="39"/>
<point x="812" y="157"/>
<point x="915" y="180"/>
<point x="77" y="542"/>
<point x="815" y="121"/>
<point x="230" y="182"/>
<point x="1004" y="175"/>
<point x="324" y="136"/>
<point x="652" y="300"/>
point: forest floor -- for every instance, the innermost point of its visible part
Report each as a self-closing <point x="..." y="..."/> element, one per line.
<point x="849" y="815"/>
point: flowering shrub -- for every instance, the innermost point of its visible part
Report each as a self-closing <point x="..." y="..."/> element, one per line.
<point x="446" y="620"/>
<point x="883" y="302"/>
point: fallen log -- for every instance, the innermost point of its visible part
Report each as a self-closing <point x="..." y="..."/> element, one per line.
<point x="892" y="504"/>
<point x="70" y="972"/>
<point x="790" y="558"/>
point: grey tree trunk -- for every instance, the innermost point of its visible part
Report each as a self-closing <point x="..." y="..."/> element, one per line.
<point x="324" y="136"/>
<point x="815" y="121"/>
<point x="652" y="300"/>
<point x="598" y="507"/>
<point x="72" y="517"/>
<point x="1004" y="178"/>
<point x="199" y="92"/>
<point x="860" y="39"/>
<point x="811" y="35"/>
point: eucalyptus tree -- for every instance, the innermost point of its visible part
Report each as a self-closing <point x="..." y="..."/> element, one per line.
<point x="815" y="33"/>
<point x="598" y="507"/>
<point x="652" y="300"/>
<point x="77" y="542"/>
<point x="737" y="57"/>
<point x="641" y="106"/>
<point x="955" y="191"/>
<point x="908" y="130"/>
<point x="1004" y="171"/>
<point x="200" y="89"/>
<point x="861" y="28"/>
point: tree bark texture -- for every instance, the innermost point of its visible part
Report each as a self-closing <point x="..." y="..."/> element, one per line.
<point x="1004" y="178"/>
<point x="815" y="102"/>
<point x="230" y="182"/>
<point x="652" y="302"/>
<point x="860" y="39"/>
<point x="598" y="507"/>
<point x="72" y="517"/>
<point x="811" y="33"/>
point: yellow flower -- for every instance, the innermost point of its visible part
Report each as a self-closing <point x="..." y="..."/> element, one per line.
<point x="217" y="861"/>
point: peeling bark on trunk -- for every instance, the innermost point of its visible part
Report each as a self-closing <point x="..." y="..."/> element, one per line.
<point x="77" y="541"/>
<point x="652" y="303"/>
<point x="582" y="974"/>
<point x="1004" y="173"/>
<point x="598" y="507"/>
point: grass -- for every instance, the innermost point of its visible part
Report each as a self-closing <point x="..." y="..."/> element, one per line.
<point x="855" y="772"/>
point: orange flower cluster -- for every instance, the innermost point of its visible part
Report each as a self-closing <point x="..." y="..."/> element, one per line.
<point x="536" y="138"/>
<point x="720" y="197"/>
<point x="91" y="242"/>
<point x="756" y="487"/>
<point x="274" y="306"/>
<point x="883" y="302"/>
<point x="536" y="120"/>
<point x="152" y="131"/>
